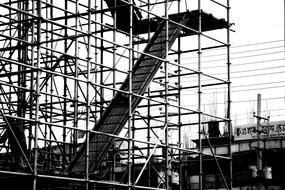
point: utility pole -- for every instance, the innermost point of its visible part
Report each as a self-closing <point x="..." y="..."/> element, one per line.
<point x="259" y="185"/>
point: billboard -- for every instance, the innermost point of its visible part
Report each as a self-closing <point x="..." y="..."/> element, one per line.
<point x="268" y="130"/>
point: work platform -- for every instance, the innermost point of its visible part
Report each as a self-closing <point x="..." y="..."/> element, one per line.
<point x="208" y="21"/>
<point x="142" y="26"/>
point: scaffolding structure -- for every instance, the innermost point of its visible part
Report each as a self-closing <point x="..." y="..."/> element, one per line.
<point x="109" y="94"/>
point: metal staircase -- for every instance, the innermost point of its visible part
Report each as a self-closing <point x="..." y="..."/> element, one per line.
<point x="116" y="114"/>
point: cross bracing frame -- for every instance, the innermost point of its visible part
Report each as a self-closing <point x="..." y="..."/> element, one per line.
<point x="64" y="63"/>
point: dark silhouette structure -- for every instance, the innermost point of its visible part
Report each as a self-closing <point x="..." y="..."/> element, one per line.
<point x="15" y="134"/>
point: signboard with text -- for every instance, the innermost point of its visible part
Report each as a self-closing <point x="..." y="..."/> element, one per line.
<point x="268" y="130"/>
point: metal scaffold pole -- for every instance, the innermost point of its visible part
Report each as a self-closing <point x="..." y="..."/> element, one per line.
<point x="200" y="129"/>
<point x="228" y="114"/>
<point x="37" y="94"/>
<point x="166" y="106"/>
<point x="106" y="94"/>
<point x="130" y="100"/>
<point x="88" y="106"/>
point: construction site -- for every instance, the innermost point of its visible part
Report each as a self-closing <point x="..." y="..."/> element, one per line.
<point x="107" y="94"/>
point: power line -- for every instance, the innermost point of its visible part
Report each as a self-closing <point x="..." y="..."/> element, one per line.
<point x="257" y="84"/>
<point x="235" y="102"/>
<point x="250" y="70"/>
<point x="239" y="57"/>
<point x="261" y="74"/>
<point x="253" y="89"/>
<point x="242" y="76"/>
<point x="258" y="43"/>
<point x="240" y="90"/>
<point x="271" y="116"/>
<point x="241" y="64"/>
<point x="249" y="63"/>
<point x="237" y="52"/>
<point x="269" y="110"/>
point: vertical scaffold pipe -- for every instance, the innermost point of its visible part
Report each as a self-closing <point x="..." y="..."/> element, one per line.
<point x="75" y="95"/>
<point x="229" y="99"/>
<point x="130" y="165"/>
<point x="167" y="161"/>
<point x="179" y="102"/>
<point x="88" y="96"/>
<point x="39" y="23"/>
<point x="200" y="130"/>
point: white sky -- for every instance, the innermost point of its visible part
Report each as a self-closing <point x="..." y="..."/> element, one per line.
<point x="258" y="21"/>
